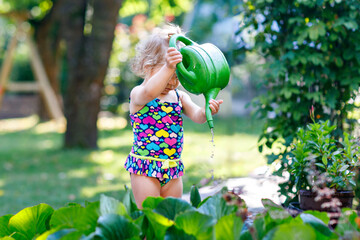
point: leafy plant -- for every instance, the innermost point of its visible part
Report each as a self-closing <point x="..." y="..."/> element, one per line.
<point x="316" y="148"/>
<point x="219" y="217"/>
<point x="277" y="223"/>
<point x="312" y="58"/>
<point x="111" y="219"/>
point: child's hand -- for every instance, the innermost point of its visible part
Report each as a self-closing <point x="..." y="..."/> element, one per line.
<point x="172" y="57"/>
<point x="215" y="105"/>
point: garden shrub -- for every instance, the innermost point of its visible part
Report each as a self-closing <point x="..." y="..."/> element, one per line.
<point x="312" y="52"/>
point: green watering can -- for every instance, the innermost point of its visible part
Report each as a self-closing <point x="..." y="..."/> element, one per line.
<point x="203" y="69"/>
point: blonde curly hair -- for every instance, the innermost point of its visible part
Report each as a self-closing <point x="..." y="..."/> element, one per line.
<point x="151" y="51"/>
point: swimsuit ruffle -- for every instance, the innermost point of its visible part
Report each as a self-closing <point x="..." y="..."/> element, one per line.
<point x="152" y="168"/>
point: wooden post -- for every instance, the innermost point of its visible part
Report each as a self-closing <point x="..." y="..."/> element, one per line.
<point x="7" y="64"/>
<point x="46" y="90"/>
<point x="22" y="87"/>
<point x="51" y="101"/>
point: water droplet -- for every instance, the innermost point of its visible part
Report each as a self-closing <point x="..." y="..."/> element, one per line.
<point x="211" y="160"/>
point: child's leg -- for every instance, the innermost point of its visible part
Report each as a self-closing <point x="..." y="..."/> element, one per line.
<point x="143" y="187"/>
<point x="173" y="188"/>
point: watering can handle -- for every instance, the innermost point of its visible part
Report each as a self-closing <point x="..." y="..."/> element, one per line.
<point x="180" y="66"/>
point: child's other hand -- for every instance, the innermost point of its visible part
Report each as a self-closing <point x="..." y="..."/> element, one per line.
<point x="215" y="105"/>
<point x="172" y="57"/>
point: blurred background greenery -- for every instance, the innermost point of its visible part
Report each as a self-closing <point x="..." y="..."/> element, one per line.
<point x="35" y="164"/>
<point x="285" y="56"/>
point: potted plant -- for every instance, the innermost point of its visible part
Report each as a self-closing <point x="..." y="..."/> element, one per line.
<point x="320" y="165"/>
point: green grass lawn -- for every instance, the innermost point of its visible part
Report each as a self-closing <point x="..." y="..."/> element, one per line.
<point x="34" y="168"/>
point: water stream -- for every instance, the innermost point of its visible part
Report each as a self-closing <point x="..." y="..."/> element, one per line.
<point x="213" y="146"/>
<point x="212" y="154"/>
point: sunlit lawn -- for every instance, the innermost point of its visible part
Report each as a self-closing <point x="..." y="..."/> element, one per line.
<point x="34" y="168"/>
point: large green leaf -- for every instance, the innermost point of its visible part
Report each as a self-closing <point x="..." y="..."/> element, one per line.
<point x="138" y="217"/>
<point x="65" y="234"/>
<point x="171" y="207"/>
<point x="323" y="216"/>
<point x="228" y="227"/>
<point x="110" y="205"/>
<point x="195" y="197"/>
<point x="159" y="224"/>
<point x="4" y="222"/>
<point x="129" y="202"/>
<point x="91" y="216"/>
<point x="246" y="235"/>
<point x="177" y="234"/>
<point x="293" y="231"/>
<point x="7" y="238"/>
<point x="68" y="217"/>
<point x="275" y="215"/>
<point x="31" y="221"/>
<point x="316" y="223"/>
<point x="115" y="227"/>
<point x="152" y="202"/>
<point x="55" y="234"/>
<point x="275" y="211"/>
<point x="146" y="228"/>
<point x="197" y="224"/>
<point x="76" y="216"/>
<point x="259" y="226"/>
<point x="217" y="207"/>
<point x="18" y="236"/>
<point x="45" y="235"/>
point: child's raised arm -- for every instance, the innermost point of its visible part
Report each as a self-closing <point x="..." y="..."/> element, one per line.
<point x="196" y="113"/>
<point x="155" y="84"/>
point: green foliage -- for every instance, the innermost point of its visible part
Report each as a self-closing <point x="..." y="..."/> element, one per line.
<point x="195" y="196"/>
<point x="349" y="225"/>
<point x="111" y="219"/>
<point x="312" y="52"/>
<point x="315" y="148"/>
<point x="114" y="227"/>
<point x="36" y="8"/>
<point x="28" y="223"/>
<point x="276" y="223"/>
<point x="173" y="218"/>
<point x="157" y="10"/>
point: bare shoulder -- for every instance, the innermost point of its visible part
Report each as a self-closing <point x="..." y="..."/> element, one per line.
<point x="134" y="92"/>
<point x="134" y="99"/>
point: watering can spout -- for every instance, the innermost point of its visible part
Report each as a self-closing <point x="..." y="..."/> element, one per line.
<point x="211" y="94"/>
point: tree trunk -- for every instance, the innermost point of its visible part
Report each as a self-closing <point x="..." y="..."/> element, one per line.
<point x="87" y="57"/>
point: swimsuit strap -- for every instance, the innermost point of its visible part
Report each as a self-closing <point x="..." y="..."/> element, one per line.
<point x="178" y="97"/>
<point x="167" y="162"/>
<point x="177" y="94"/>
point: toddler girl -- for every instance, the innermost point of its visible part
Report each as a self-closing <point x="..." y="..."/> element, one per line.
<point x="156" y="105"/>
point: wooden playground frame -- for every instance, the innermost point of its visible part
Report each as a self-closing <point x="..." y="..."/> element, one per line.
<point x="42" y="85"/>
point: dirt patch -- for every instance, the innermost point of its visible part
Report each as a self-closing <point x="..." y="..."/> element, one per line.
<point x="17" y="106"/>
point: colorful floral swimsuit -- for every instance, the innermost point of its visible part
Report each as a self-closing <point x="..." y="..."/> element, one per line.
<point x="158" y="141"/>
